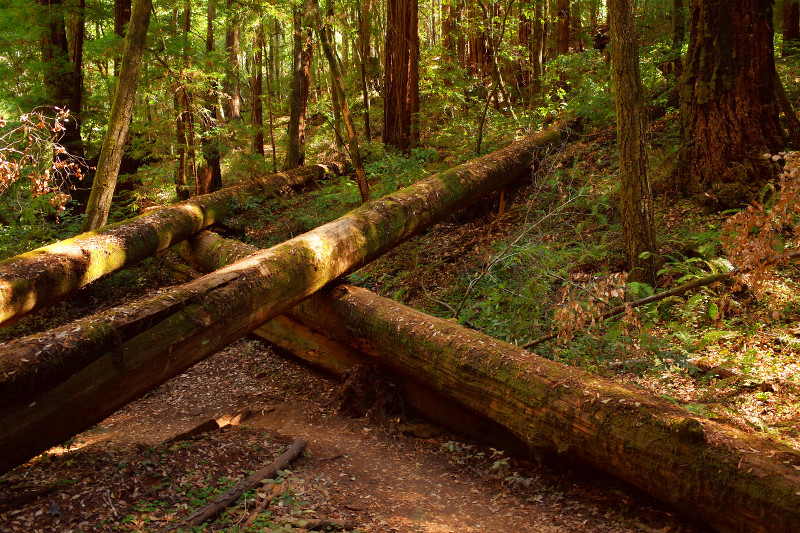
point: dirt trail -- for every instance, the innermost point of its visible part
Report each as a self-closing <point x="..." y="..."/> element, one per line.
<point x="120" y="476"/>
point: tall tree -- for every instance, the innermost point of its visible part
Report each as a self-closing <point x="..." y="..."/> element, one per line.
<point x="338" y="86"/>
<point x="257" y="90"/>
<point x="364" y="25"/>
<point x="729" y="117"/>
<point x="562" y="26"/>
<point x="302" y="40"/>
<point x="232" y="85"/>
<point x="121" y="111"/>
<point x="401" y="96"/>
<point x="122" y="15"/>
<point x="210" y="177"/>
<point x="63" y="76"/>
<point x="638" y="233"/>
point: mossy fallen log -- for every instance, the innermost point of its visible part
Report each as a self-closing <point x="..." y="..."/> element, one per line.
<point x="48" y="397"/>
<point x="730" y="479"/>
<point x="40" y="277"/>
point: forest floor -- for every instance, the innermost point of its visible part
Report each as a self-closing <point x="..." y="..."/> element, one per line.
<point x="727" y="355"/>
<point x="382" y="476"/>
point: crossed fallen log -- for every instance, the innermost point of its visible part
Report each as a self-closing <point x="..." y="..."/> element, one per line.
<point x="734" y="481"/>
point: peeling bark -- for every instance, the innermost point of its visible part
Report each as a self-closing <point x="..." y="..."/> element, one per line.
<point x="40" y="277"/>
<point x="141" y="345"/>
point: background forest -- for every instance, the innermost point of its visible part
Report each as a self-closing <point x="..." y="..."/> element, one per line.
<point x="698" y="94"/>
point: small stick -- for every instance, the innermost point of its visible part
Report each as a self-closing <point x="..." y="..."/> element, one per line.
<point x="261" y="506"/>
<point x="224" y="500"/>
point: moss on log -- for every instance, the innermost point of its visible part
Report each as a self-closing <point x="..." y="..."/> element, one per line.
<point x="40" y="277"/>
<point x="732" y="480"/>
<point x="141" y="345"/>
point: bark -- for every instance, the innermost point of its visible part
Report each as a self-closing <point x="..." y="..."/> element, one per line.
<point x="296" y="132"/>
<point x="733" y="480"/>
<point x="338" y="87"/>
<point x="364" y="24"/>
<point x="401" y="93"/>
<point x="122" y="16"/>
<point x="791" y="28"/>
<point x="638" y="231"/>
<point x="701" y="467"/>
<point x="127" y="351"/>
<point x="729" y="117"/>
<point x="38" y="278"/>
<point x="113" y="145"/>
<point x="232" y="74"/>
<point x="562" y="27"/>
<point x="256" y="91"/>
<point x="210" y="178"/>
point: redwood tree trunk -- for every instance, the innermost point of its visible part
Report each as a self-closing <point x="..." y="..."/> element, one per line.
<point x="210" y="177"/>
<point x="256" y="91"/>
<point x="232" y="73"/>
<point x="401" y="101"/>
<point x="563" y="26"/>
<point x="729" y="118"/>
<point x="638" y="232"/>
<point x="296" y="132"/>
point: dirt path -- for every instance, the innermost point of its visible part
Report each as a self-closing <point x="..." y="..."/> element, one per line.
<point x="122" y="476"/>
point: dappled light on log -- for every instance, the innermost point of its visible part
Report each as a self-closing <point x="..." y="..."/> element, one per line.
<point x="40" y="277"/>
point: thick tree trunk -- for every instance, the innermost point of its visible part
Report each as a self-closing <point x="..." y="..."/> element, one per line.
<point x="296" y="130"/>
<point x="401" y="94"/>
<point x="38" y="278"/>
<point x="135" y="348"/>
<point x="703" y="468"/>
<point x="105" y="179"/>
<point x="636" y="207"/>
<point x="563" y="26"/>
<point x="729" y="118"/>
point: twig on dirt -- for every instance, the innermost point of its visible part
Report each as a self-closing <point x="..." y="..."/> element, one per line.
<point x="261" y="506"/>
<point x="227" y="498"/>
<point x="110" y="504"/>
<point x="694" y="284"/>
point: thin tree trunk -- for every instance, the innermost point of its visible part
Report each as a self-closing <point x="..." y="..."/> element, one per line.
<point x="791" y="27"/>
<point x="638" y="230"/>
<point x="122" y="16"/>
<point x="233" y="85"/>
<point x="257" y="113"/>
<point x="338" y="86"/>
<point x="136" y="348"/>
<point x="121" y="111"/>
<point x="364" y="24"/>
<point x="563" y="27"/>
<point x="271" y="122"/>
<point x="211" y="175"/>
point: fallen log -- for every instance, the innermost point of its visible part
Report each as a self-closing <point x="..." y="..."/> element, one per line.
<point x="139" y="346"/>
<point x="40" y="277"/>
<point x="732" y="480"/>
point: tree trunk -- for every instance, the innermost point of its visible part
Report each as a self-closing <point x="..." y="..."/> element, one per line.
<point x="38" y="278"/>
<point x="563" y="26"/>
<point x="257" y="90"/>
<point x="364" y="24"/>
<point x="791" y="28"/>
<point x="401" y="95"/>
<point x="113" y="145"/>
<point x="638" y="232"/>
<point x="122" y="16"/>
<point x="338" y="87"/>
<point x="729" y="118"/>
<point x="135" y="348"/>
<point x="296" y="133"/>
<point x="63" y="82"/>
<point x="539" y="47"/>
<point x="232" y="74"/>
<point x="701" y="467"/>
<point x="211" y="175"/>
